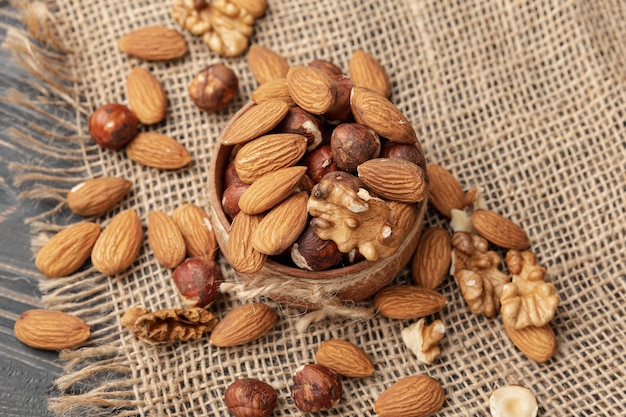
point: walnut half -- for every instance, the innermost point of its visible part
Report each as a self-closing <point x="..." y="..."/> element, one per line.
<point x="171" y="325"/>
<point x="527" y="300"/>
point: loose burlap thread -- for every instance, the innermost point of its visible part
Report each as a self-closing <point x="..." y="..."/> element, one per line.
<point x="524" y="99"/>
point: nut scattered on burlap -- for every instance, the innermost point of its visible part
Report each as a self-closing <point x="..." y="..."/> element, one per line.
<point x="524" y="99"/>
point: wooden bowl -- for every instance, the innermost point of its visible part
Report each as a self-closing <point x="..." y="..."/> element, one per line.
<point x="362" y="280"/>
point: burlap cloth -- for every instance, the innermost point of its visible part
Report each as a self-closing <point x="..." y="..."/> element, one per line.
<point x="526" y="99"/>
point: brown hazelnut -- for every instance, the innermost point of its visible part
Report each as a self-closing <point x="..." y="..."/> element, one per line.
<point x="303" y="123"/>
<point x="230" y="175"/>
<point x="319" y="162"/>
<point x="249" y="397"/>
<point x="352" y="144"/>
<point x="306" y="184"/>
<point x="197" y="280"/>
<point x="328" y="67"/>
<point x="403" y="151"/>
<point x="230" y="198"/>
<point x="312" y="253"/>
<point x="340" y="111"/>
<point x="214" y="87"/>
<point x="315" y="388"/>
<point x="113" y="126"/>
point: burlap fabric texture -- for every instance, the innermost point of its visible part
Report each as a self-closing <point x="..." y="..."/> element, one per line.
<point x="524" y="99"/>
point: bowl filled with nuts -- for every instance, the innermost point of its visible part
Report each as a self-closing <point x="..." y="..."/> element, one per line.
<point x="310" y="200"/>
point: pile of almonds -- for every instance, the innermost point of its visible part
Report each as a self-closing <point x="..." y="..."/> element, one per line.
<point x="326" y="171"/>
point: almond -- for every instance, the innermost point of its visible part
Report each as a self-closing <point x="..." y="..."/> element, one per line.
<point x="269" y="153"/>
<point x="266" y="65"/>
<point x="379" y="114"/>
<point x="273" y="90"/>
<point x="394" y="179"/>
<point x="97" y="196"/>
<point x="445" y="190"/>
<point x="146" y="96"/>
<point x="538" y="343"/>
<point x="241" y="254"/>
<point x="411" y="396"/>
<point x="255" y="7"/>
<point x="118" y="245"/>
<point x="68" y="250"/>
<point x="345" y="358"/>
<point x="311" y="89"/>
<point x="50" y="329"/>
<point x="197" y="231"/>
<point x="256" y="120"/>
<point x="431" y="261"/>
<point x="166" y="240"/>
<point x="244" y="324"/>
<point x="366" y="71"/>
<point x="157" y="151"/>
<point x="408" y="302"/>
<point x="499" y="230"/>
<point x="154" y="43"/>
<point x="270" y="189"/>
<point x="282" y="225"/>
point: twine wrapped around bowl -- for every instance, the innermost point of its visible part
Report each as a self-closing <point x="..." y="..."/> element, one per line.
<point x="332" y="291"/>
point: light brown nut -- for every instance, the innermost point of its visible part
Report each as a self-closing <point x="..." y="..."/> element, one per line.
<point x="423" y="339"/>
<point x="230" y="28"/>
<point x="197" y="230"/>
<point x="311" y="89"/>
<point x="169" y="325"/>
<point x="244" y="324"/>
<point x="241" y="254"/>
<point x="538" y="343"/>
<point x="213" y="87"/>
<point x="270" y="189"/>
<point x="431" y="261"/>
<point x="266" y="65"/>
<point x="408" y="302"/>
<point x="379" y="114"/>
<point x="366" y="71"/>
<point x="257" y="120"/>
<point x="273" y="90"/>
<point x="154" y="43"/>
<point x="345" y="358"/>
<point x="394" y="179"/>
<point x="268" y="153"/>
<point x="445" y="190"/>
<point x="499" y="230"/>
<point x="97" y="196"/>
<point x="68" y="250"/>
<point x="146" y="96"/>
<point x="250" y="397"/>
<point x="118" y="245"/>
<point x="165" y="239"/>
<point x="411" y="396"/>
<point x="282" y="225"/>
<point x="157" y="151"/>
<point x="513" y="401"/>
<point x="50" y="329"/>
<point x="315" y="388"/>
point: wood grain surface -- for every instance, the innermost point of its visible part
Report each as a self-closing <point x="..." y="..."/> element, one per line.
<point x="26" y="375"/>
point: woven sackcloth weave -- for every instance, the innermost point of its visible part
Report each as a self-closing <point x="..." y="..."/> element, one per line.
<point x="525" y="99"/>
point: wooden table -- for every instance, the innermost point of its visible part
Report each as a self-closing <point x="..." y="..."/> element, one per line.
<point x="26" y="375"/>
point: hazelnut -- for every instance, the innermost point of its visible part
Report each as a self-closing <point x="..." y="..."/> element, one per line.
<point x="230" y="175"/>
<point x="231" y="196"/>
<point x="340" y="111"/>
<point x="113" y="126"/>
<point x="403" y="151"/>
<point x="306" y="184"/>
<point x="312" y="253"/>
<point x="303" y="123"/>
<point x="197" y="280"/>
<point x="214" y="87"/>
<point x="319" y="162"/>
<point x="513" y="401"/>
<point x="315" y="388"/>
<point x="352" y="144"/>
<point x="249" y="397"/>
<point x="328" y="67"/>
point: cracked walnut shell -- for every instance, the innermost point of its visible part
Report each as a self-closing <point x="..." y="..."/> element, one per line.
<point x="527" y="300"/>
<point x="475" y="269"/>
<point x="171" y="325"/>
